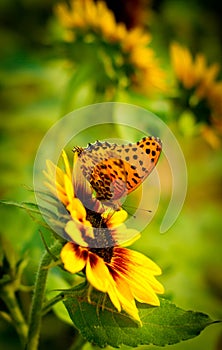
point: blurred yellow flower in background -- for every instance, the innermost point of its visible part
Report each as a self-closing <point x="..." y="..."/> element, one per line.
<point x="199" y="90"/>
<point x="135" y="57"/>
<point x="194" y="74"/>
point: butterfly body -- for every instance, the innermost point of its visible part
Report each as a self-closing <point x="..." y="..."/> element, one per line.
<point x="116" y="170"/>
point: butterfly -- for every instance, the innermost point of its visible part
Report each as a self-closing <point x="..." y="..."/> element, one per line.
<point x="115" y="170"/>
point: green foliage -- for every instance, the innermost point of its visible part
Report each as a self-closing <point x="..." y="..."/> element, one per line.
<point x="102" y="325"/>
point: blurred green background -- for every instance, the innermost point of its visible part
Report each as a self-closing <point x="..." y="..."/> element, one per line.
<point x="37" y="87"/>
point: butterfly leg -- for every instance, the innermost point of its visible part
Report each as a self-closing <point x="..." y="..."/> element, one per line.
<point x="101" y="303"/>
<point x="89" y="292"/>
<point x="104" y="301"/>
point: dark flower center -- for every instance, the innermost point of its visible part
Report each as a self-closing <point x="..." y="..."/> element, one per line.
<point x="105" y="253"/>
<point x="103" y="243"/>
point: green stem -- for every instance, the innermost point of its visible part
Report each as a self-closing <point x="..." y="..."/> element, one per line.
<point x="50" y="303"/>
<point x="17" y="318"/>
<point x="38" y="297"/>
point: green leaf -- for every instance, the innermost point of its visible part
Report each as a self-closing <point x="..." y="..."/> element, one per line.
<point x="30" y="207"/>
<point x="101" y="324"/>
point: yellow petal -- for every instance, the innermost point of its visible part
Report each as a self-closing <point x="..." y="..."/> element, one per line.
<point x="113" y="294"/>
<point x="68" y="188"/>
<point x="115" y="218"/>
<point x="56" y="181"/>
<point x="140" y="288"/>
<point x="126" y="299"/>
<point x="137" y="271"/>
<point x="72" y="229"/>
<point x="88" y="230"/>
<point x="200" y="66"/>
<point x="138" y="260"/>
<point x="72" y="257"/>
<point x="63" y="15"/>
<point x="97" y="273"/>
<point x="100" y="278"/>
<point x="77" y="210"/>
<point x="66" y="163"/>
<point x="144" y="277"/>
<point x="55" y="172"/>
<point x="144" y="295"/>
<point x="182" y="64"/>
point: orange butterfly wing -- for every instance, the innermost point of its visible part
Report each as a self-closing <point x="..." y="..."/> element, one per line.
<point x="116" y="170"/>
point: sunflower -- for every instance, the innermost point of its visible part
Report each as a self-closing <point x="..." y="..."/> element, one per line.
<point x="128" y="50"/>
<point x="200" y="89"/>
<point x="97" y="237"/>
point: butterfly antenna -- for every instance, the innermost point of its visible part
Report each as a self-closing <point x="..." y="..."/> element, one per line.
<point x="125" y="207"/>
